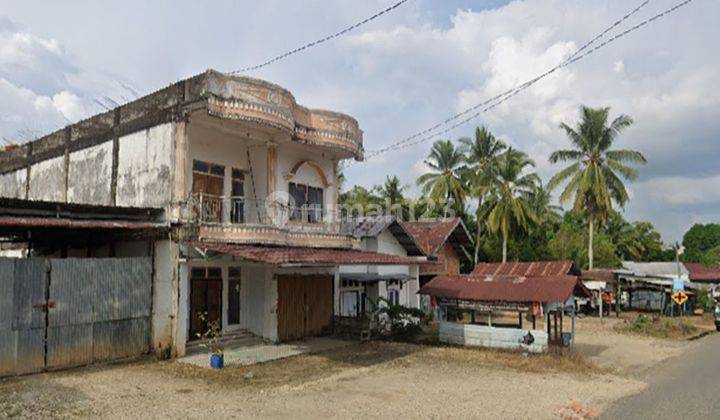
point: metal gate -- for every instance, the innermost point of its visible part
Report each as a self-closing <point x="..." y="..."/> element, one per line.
<point x="57" y="313"/>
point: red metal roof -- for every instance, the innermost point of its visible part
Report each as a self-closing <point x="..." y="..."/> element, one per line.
<point x="702" y="273"/>
<point x="430" y="235"/>
<point x="300" y="255"/>
<point x="505" y="288"/>
<point x="529" y="269"/>
<point x="598" y="274"/>
<point x="48" y="222"/>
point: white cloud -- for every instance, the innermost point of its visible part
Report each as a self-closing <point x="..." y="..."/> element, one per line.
<point x="405" y="72"/>
<point x="684" y="191"/>
<point x="619" y="66"/>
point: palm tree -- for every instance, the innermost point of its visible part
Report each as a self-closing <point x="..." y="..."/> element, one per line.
<point x="594" y="176"/>
<point x="509" y="201"/>
<point x="392" y="194"/>
<point x="443" y="184"/>
<point x="481" y="155"/>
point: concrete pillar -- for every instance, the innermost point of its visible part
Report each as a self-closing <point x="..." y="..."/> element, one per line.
<point x="165" y="298"/>
<point x="271" y="305"/>
<point x="183" y="170"/>
<point x="271" y="168"/>
<point x="183" y="313"/>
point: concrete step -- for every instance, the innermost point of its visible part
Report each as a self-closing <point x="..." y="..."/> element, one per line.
<point x="229" y="339"/>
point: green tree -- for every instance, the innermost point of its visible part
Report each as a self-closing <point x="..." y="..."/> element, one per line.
<point x="391" y="193"/>
<point x="444" y="184"/>
<point x="699" y="239"/>
<point x="711" y="257"/>
<point x="509" y="198"/>
<point x="570" y="243"/>
<point x="481" y="155"/>
<point x="594" y="177"/>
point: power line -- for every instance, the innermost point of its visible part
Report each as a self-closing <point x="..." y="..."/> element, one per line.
<point x="525" y="86"/>
<point x="507" y="94"/>
<point x="319" y="41"/>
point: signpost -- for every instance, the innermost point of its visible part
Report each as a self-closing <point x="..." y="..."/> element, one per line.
<point x="679" y="297"/>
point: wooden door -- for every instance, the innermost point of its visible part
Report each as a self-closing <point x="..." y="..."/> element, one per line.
<point x="205" y="298"/>
<point x="319" y="304"/>
<point x="305" y="306"/>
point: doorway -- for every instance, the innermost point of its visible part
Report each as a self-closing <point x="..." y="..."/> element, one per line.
<point x="305" y="306"/>
<point x="205" y="300"/>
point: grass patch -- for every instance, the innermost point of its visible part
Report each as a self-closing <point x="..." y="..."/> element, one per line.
<point x="658" y="327"/>
<point x="555" y="360"/>
<point x="291" y="371"/>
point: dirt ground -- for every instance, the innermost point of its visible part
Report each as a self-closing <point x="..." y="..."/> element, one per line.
<point x="375" y="379"/>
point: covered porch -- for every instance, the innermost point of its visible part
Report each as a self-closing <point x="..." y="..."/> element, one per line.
<point x="278" y="294"/>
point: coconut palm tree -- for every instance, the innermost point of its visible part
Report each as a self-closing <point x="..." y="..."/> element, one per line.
<point x="594" y="177"/>
<point x="392" y="195"/>
<point x="444" y="184"/>
<point x="509" y="201"/>
<point x="481" y="155"/>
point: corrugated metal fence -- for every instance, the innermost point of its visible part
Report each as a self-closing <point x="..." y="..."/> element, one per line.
<point x="57" y="313"/>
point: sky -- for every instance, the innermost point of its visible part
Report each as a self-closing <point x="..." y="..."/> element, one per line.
<point x="400" y="74"/>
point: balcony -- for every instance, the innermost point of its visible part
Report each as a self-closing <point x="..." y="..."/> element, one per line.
<point x="250" y="221"/>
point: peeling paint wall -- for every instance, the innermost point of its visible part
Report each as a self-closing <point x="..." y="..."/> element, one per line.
<point x="165" y="296"/>
<point x="12" y="185"/>
<point x="145" y="168"/>
<point x="89" y="174"/>
<point x="47" y="180"/>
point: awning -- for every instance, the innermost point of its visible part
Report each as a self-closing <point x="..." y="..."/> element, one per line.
<point x="65" y="223"/>
<point x="305" y="256"/>
<point x="373" y="278"/>
<point x="505" y="288"/>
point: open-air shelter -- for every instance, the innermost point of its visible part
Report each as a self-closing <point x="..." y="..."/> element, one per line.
<point x="551" y="297"/>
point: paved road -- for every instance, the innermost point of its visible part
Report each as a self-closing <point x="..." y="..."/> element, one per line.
<point x="687" y="386"/>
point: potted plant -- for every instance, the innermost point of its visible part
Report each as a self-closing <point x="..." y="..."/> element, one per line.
<point x="211" y="341"/>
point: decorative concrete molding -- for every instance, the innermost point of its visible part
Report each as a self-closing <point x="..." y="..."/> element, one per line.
<point x="316" y="166"/>
<point x="250" y="99"/>
<point x="271" y="235"/>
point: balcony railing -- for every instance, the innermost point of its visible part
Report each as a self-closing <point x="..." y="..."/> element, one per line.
<point x="213" y="209"/>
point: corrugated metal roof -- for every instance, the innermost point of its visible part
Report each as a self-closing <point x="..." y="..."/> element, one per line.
<point x="702" y="273"/>
<point x="310" y="256"/>
<point x="534" y="269"/>
<point x="654" y="269"/>
<point x="598" y="274"/>
<point x="505" y="288"/>
<point x="46" y="222"/>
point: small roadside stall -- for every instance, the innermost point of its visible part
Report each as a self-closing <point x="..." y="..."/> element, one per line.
<point x="549" y="297"/>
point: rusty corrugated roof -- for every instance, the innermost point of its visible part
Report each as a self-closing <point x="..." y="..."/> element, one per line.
<point x="47" y="222"/>
<point x="504" y="288"/>
<point x="311" y="256"/>
<point x="529" y="269"/>
<point x="702" y="273"/>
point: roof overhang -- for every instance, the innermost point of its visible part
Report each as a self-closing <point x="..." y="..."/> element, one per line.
<point x="302" y="256"/>
<point x="22" y="220"/>
<point x="506" y="288"/>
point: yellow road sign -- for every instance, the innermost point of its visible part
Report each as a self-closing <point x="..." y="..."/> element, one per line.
<point x="679" y="297"/>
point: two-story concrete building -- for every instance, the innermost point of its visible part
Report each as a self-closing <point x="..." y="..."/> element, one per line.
<point x="246" y="179"/>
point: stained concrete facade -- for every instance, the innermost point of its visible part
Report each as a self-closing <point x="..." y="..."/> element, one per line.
<point x="141" y="155"/>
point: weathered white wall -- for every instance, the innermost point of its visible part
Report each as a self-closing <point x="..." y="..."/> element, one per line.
<point x="12" y="184"/>
<point x="486" y="336"/>
<point x="89" y="174"/>
<point x="47" y="180"/>
<point x="258" y="300"/>
<point x="165" y="297"/>
<point x="146" y="163"/>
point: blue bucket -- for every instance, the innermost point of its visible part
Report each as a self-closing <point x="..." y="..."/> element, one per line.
<point x="217" y="361"/>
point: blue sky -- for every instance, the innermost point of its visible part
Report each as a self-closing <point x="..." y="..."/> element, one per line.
<point x="402" y="73"/>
